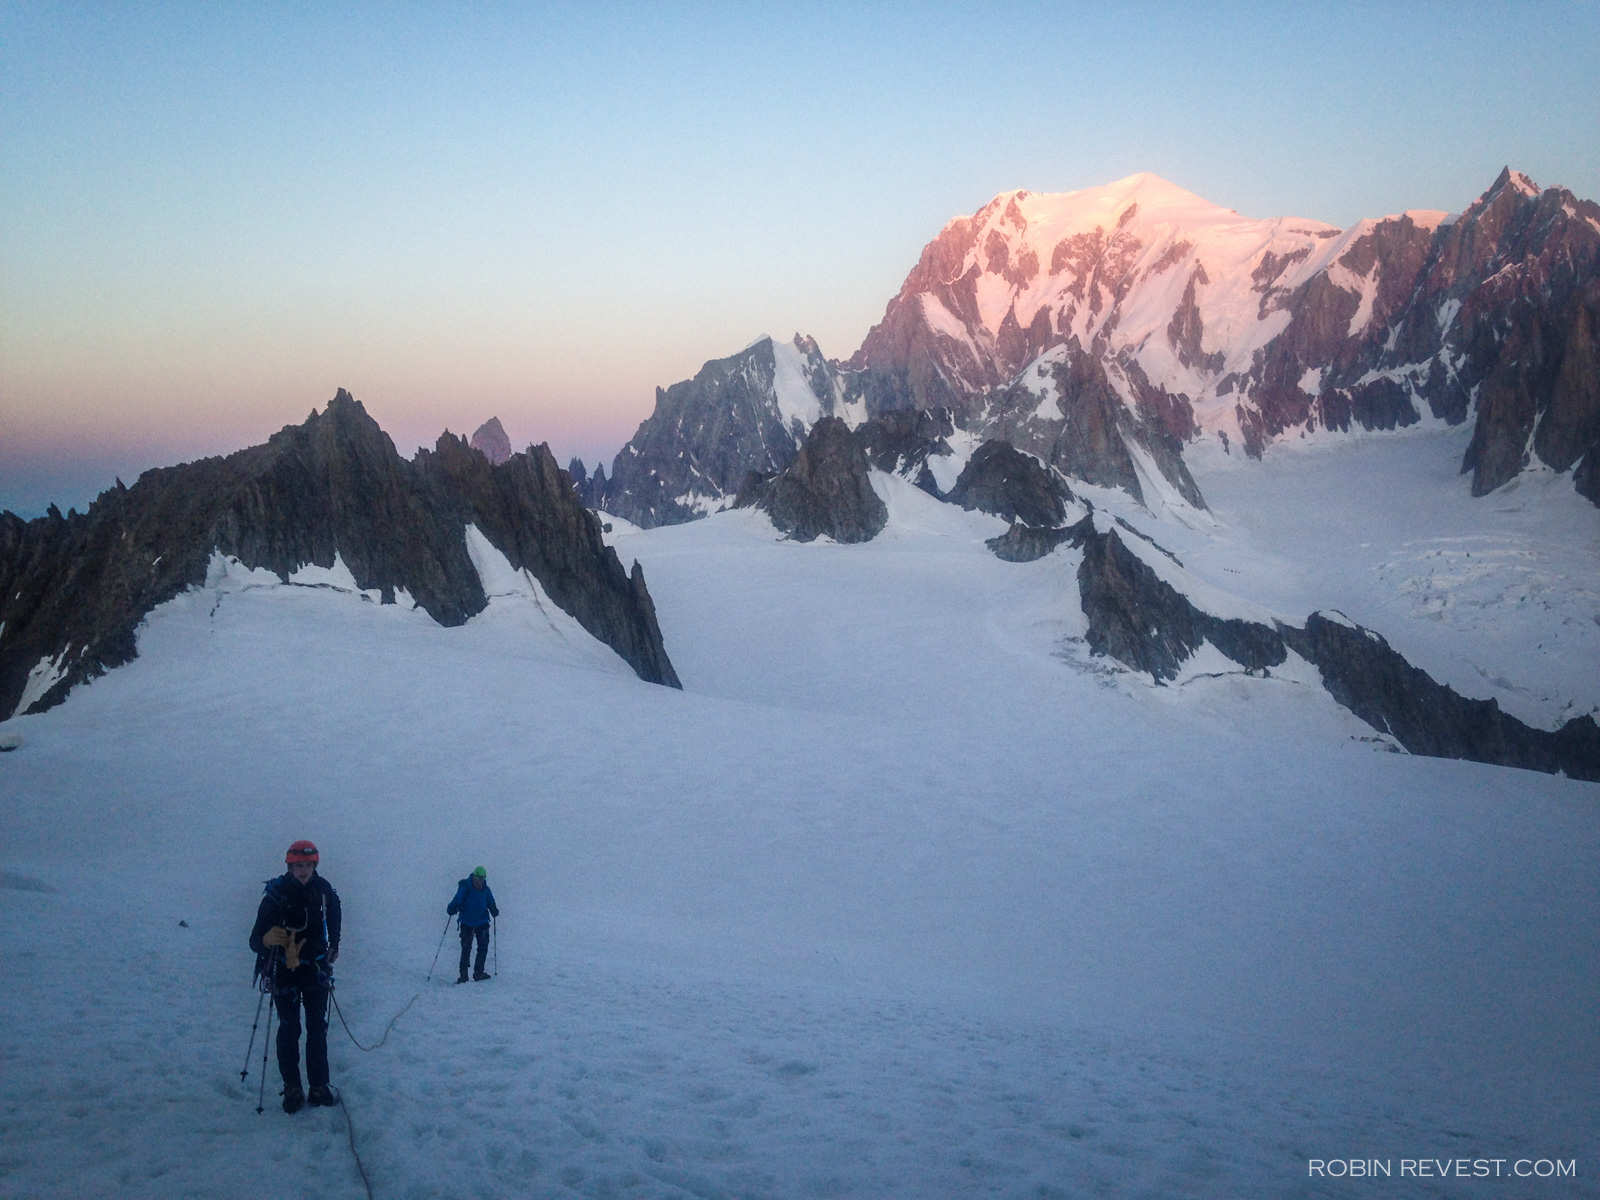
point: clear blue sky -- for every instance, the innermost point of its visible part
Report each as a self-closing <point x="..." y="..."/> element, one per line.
<point x="211" y="216"/>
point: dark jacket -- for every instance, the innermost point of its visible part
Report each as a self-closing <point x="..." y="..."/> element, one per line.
<point x="309" y="910"/>
<point x="476" y="905"/>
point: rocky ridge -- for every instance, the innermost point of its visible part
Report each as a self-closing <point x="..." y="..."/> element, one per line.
<point x="76" y="588"/>
<point x="1143" y="621"/>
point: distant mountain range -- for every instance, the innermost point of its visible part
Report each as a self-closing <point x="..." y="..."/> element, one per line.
<point x="1043" y="348"/>
<point x="1107" y="330"/>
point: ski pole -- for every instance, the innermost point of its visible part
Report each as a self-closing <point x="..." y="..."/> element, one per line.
<point x="442" y="932"/>
<point x="261" y="1097"/>
<point x="494" y="929"/>
<point x="262" y="999"/>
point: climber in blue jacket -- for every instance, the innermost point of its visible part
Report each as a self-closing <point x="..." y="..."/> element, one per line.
<point x="473" y="906"/>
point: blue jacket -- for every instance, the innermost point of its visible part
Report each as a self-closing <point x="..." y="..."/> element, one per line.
<point x="476" y="905"/>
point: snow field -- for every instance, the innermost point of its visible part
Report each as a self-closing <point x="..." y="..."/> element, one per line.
<point x="904" y="895"/>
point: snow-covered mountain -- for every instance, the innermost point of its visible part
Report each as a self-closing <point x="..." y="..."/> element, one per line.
<point x="1105" y="330"/>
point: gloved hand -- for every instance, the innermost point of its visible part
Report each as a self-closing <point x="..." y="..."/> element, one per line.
<point x="495" y="913"/>
<point x="279" y="936"/>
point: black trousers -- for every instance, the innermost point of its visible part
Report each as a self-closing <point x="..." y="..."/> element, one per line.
<point x="468" y="932"/>
<point x="296" y="990"/>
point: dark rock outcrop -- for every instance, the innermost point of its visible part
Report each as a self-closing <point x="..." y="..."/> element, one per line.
<point x="1023" y="543"/>
<point x="901" y="441"/>
<point x="590" y="490"/>
<point x="1001" y="480"/>
<point x="527" y="508"/>
<point x="825" y="491"/>
<point x="1145" y="623"/>
<point x="1141" y="621"/>
<point x="1586" y="476"/>
<point x="491" y="441"/>
<point x="1370" y="678"/>
<point x="77" y="587"/>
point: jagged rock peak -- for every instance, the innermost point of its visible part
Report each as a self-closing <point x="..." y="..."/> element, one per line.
<point x="747" y="412"/>
<point x="825" y="491"/>
<point x="491" y="441"/>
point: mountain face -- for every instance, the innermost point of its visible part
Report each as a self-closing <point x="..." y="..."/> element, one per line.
<point x="749" y="412"/>
<point x="1185" y="319"/>
<point x="1103" y="331"/>
<point x="491" y="441"/>
<point x="75" y="588"/>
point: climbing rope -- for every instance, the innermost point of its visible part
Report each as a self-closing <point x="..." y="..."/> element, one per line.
<point x="350" y="1129"/>
<point x="349" y="1125"/>
<point x="387" y="1030"/>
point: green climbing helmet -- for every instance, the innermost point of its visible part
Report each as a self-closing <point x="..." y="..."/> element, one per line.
<point x="480" y="873"/>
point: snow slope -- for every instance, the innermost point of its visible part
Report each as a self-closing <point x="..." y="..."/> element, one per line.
<point x="903" y="895"/>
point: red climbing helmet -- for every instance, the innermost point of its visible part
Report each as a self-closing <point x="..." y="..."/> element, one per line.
<point x="300" y="852"/>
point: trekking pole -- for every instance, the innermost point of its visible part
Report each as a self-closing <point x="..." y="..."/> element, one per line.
<point x="262" y="999"/>
<point x="444" y="931"/>
<point x="261" y="1097"/>
<point x="494" y="929"/>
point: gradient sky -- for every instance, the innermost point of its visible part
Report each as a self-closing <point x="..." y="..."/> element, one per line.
<point x="212" y="216"/>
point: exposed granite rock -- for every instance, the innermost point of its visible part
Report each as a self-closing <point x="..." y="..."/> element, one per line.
<point x="1145" y="623"/>
<point x="826" y="490"/>
<point x="1586" y="476"/>
<point x="77" y="587"/>
<point x="590" y="490"/>
<point x="527" y="508"/>
<point x="748" y="412"/>
<point x="1542" y="395"/>
<point x="1141" y="621"/>
<point x="491" y="441"/>
<point x="1024" y="543"/>
<point x="901" y="441"/>
<point x="1366" y="675"/>
<point x="1001" y="480"/>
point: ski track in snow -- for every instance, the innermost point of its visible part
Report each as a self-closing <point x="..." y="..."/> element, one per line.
<point x="905" y="895"/>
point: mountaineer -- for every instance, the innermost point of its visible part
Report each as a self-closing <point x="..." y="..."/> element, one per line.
<point x="474" y="903"/>
<point x="296" y="940"/>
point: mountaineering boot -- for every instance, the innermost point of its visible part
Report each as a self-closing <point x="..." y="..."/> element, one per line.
<point x="321" y="1096"/>
<point x="462" y="978"/>
<point x="293" y="1097"/>
<point x="478" y="976"/>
